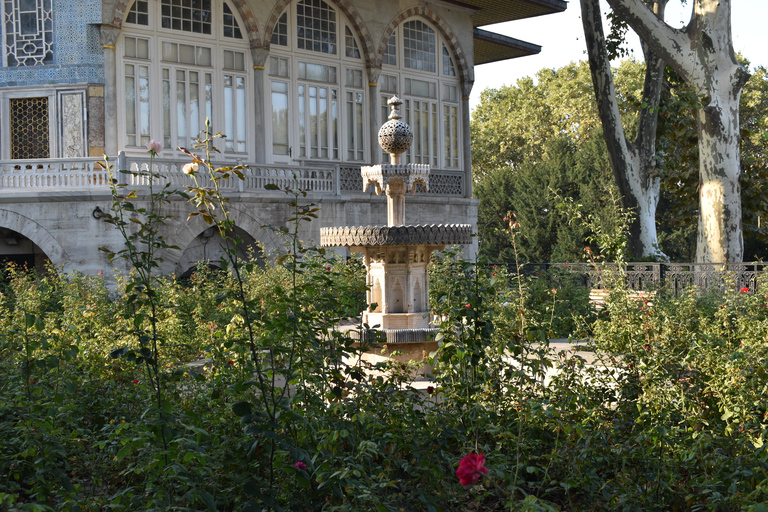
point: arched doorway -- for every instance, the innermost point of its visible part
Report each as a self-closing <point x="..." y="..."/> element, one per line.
<point x="18" y="249"/>
<point x="210" y="249"/>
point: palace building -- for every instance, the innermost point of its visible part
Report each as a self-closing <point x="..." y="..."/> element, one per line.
<point x="297" y="88"/>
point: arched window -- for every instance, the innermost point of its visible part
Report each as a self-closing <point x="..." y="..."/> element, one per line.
<point x="182" y="62"/>
<point x="427" y="83"/>
<point x="316" y="83"/>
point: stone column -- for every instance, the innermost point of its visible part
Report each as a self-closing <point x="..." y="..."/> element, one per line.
<point x="396" y="202"/>
<point x="108" y="35"/>
<point x="373" y="112"/>
<point x="259" y="56"/>
<point x="466" y="88"/>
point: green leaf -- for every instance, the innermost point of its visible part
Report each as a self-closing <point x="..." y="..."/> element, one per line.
<point x="208" y="500"/>
<point x="242" y="408"/>
<point x="119" y="352"/>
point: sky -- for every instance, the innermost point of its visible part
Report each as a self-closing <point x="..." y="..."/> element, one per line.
<point x="562" y="40"/>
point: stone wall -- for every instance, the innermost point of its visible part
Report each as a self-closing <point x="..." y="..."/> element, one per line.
<point x="62" y="225"/>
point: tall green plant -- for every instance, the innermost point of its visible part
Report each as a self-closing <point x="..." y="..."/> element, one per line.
<point x="140" y="226"/>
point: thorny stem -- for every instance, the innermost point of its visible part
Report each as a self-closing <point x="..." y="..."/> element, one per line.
<point x="521" y="316"/>
<point x="142" y="265"/>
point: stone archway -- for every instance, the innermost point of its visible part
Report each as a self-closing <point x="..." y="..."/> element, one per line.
<point x="345" y="7"/>
<point x="209" y="248"/>
<point x="465" y="73"/>
<point x="20" y="229"/>
<point x="249" y="20"/>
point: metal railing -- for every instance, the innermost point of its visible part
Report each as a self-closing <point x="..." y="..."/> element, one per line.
<point x="670" y="278"/>
<point x="73" y="174"/>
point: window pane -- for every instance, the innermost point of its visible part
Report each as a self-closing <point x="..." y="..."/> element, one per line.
<point x="390" y="52"/>
<point x="194" y="105"/>
<point x="187" y="15"/>
<point x="181" y="108"/>
<point x="144" y="103"/>
<point x="350" y="45"/>
<point x="280" y="118"/>
<point x="229" y="114"/>
<point x="166" y="108"/>
<point x="315" y="26"/>
<point x="130" y="105"/>
<point x="240" y="137"/>
<point x="419" y="46"/>
<point x="280" y="33"/>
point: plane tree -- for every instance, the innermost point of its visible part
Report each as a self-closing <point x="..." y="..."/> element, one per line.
<point x="633" y="162"/>
<point x="702" y="54"/>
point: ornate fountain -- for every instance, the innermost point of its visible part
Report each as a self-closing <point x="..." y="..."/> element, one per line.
<point x="396" y="255"/>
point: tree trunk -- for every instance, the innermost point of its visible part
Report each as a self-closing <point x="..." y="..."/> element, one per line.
<point x="702" y="53"/>
<point x="633" y="164"/>
<point x="720" y="231"/>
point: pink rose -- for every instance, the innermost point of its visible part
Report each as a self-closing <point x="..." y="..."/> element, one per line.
<point x="154" y="147"/>
<point x="190" y="168"/>
<point x="471" y="468"/>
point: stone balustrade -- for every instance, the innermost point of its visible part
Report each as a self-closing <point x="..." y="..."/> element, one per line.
<point x="53" y="174"/>
<point x="90" y="174"/>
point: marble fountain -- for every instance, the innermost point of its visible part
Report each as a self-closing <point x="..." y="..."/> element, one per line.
<point x="396" y="255"/>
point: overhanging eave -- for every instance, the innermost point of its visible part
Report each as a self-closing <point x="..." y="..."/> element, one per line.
<point x="493" y="47"/>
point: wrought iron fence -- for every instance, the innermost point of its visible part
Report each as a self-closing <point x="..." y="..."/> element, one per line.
<point x="668" y="278"/>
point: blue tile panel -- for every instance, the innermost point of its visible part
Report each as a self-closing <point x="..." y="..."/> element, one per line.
<point x="77" y="53"/>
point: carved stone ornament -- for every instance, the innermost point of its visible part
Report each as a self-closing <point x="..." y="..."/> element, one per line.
<point x="411" y="174"/>
<point x="370" y="236"/>
<point x="395" y="136"/>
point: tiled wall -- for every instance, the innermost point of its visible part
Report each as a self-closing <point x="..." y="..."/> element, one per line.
<point x="77" y="53"/>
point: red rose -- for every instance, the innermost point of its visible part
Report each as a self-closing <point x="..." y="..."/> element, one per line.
<point x="230" y="362"/>
<point x="430" y="389"/>
<point x="471" y="468"/>
<point x="744" y="290"/>
<point x="136" y="381"/>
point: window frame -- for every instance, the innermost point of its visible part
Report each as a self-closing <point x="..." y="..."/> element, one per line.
<point x="218" y="44"/>
<point x="441" y="80"/>
<point x="8" y="94"/>
<point x="342" y="63"/>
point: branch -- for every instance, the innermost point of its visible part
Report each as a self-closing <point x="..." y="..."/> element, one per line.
<point x="605" y="90"/>
<point x="672" y="45"/>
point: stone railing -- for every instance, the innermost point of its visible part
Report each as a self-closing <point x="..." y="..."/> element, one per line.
<point x="53" y="174"/>
<point x="256" y="177"/>
<point x="72" y="174"/>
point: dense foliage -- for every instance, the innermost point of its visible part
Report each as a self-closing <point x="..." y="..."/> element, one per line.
<point x="248" y="389"/>
<point x="670" y="414"/>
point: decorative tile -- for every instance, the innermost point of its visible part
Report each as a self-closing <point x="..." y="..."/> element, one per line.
<point x="77" y="54"/>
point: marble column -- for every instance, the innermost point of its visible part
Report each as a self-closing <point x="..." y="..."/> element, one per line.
<point x="259" y="55"/>
<point x="466" y="88"/>
<point x="373" y="113"/>
<point x="108" y="35"/>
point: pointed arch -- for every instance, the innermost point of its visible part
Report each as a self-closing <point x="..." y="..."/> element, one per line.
<point x="358" y="25"/>
<point x="37" y="234"/>
<point x="249" y="20"/>
<point x="450" y="38"/>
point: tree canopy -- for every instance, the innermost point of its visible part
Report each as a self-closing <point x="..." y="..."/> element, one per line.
<point x="541" y="133"/>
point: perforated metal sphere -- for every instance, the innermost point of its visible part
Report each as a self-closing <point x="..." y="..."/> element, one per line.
<point x="395" y="136"/>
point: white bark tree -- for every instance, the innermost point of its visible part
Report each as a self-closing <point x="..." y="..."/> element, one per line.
<point x="633" y="163"/>
<point x="702" y="54"/>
